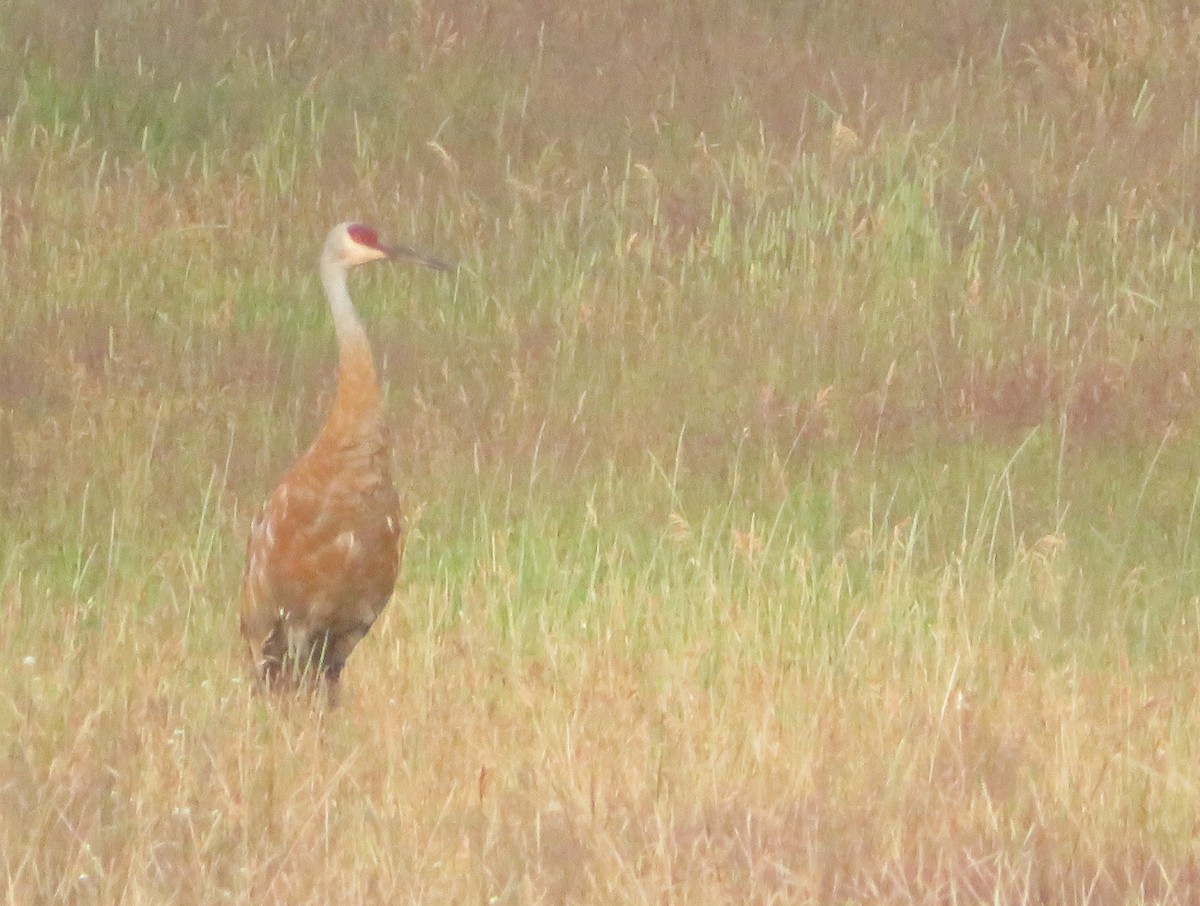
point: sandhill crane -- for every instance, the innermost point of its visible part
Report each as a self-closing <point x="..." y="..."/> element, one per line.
<point x="325" y="547"/>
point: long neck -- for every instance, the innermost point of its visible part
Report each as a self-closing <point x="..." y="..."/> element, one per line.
<point x="358" y="401"/>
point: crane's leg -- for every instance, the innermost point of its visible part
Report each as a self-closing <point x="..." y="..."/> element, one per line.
<point x="324" y="661"/>
<point x="335" y="650"/>
<point x="333" y="685"/>
<point x="268" y="660"/>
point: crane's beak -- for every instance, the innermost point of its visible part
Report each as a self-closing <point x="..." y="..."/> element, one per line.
<point x="407" y="253"/>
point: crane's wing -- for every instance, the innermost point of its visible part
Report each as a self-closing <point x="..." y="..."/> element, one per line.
<point x="321" y="563"/>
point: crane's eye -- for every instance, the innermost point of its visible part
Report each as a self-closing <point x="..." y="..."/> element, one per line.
<point x="363" y="235"/>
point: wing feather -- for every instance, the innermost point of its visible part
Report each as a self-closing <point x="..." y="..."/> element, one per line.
<point x="322" y="559"/>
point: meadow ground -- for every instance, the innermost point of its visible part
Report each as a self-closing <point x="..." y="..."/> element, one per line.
<point x="801" y="467"/>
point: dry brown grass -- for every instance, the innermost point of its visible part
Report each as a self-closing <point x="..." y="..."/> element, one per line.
<point x="592" y="771"/>
<point x="801" y="467"/>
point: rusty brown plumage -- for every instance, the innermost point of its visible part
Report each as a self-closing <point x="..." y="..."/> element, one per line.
<point x="325" y="548"/>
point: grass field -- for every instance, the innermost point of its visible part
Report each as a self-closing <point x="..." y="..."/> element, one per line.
<point x="801" y="466"/>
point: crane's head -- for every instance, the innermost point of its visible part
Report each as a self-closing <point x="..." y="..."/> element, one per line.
<point x="351" y="244"/>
